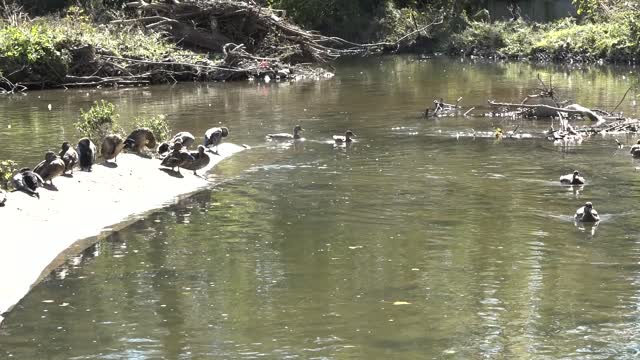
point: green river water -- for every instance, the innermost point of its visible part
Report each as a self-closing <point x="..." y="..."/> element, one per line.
<point x="418" y="241"/>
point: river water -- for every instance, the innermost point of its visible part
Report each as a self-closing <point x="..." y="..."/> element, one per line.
<point x="417" y="241"/>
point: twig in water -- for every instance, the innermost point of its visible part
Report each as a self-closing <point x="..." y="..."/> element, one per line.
<point x="621" y="100"/>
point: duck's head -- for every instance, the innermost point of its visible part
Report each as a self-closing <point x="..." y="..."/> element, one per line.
<point x="349" y="134"/>
<point x="177" y="146"/>
<point x="225" y="131"/>
<point x="297" y="129"/>
<point x="576" y="173"/>
<point x="588" y="206"/>
<point x="201" y="149"/>
<point x="50" y="156"/>
<point x="65" y="146"/>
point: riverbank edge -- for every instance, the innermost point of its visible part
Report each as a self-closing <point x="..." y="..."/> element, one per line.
<point x="43" y="232"/>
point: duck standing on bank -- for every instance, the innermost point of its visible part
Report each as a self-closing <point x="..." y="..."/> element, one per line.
<point x="28" y="181"/>
<point x="339" y="139"/>
<point x="635" y="150"/>
<point x="286" y="136"/>
<point x="186" y="137"/>
<point x="200" y="160"/>
<point x="587" y="213"/>
<point x="177" y="157"/>
<point x="69" y="156"/>
<point x="139" y="139"/>
<point x="51" y="167"/>
<point x="572" y="179"/>
<point x="213" y="136"/>
<point x="87" y="153"/>
<point x="112" y="145"/>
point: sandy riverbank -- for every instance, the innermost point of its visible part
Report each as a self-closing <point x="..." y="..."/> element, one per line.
<point x="38" y="234"/>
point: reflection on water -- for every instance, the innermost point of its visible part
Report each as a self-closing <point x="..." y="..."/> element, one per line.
<point x="419" y="240"/>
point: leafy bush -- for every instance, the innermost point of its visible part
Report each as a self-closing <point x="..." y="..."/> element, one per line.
<point x="7" y="168"/>
<point x="35" y="47"/>
<point x="157" y="124"/>
<point x="99" y="121"/>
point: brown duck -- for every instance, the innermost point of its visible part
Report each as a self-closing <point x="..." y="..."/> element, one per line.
<point x="139" y="139"/>
<point x="201" y="159"/>
<point x="69" y="156"/>
<point x="51" y="167"/>
<point x="112" y="145"/>
<point x="177" y="157"/>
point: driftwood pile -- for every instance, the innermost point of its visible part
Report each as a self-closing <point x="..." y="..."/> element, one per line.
<point x="544" y="104"/>
<point x="245" y="39"/>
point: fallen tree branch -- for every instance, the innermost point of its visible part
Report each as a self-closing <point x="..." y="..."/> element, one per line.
<point x="569" y="109"/>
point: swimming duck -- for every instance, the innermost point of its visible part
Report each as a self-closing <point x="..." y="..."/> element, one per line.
<point x="50" y="167"/>
<point x="3" y="197"/>
<point x="572" y="179"/>
<point x="587" y="213"/>
<point x="138" y="139"/>
<point x="87" y="153"/>
<point x="635" y="150"/>
<point x="286" y="136"/>
<point x="112" y="145"/>
<point x="498" y="133"/>
<point x="177" y="157"/>
<point x="28" y="181"/>
<point x="201" y="159"/>
<point x="186" y="137"/>
<point x="69" y="156"/>
<point x="213" y="136"/>
<point x="344" y="139"/>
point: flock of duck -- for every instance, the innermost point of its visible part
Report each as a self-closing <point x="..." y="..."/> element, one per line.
<point x="174" y="154"/>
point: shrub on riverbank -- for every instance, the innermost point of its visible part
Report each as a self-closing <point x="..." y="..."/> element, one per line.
<point x="562" y="40"/>
<point x="45" y="50"/>
<point x="157" y="124"/>
<point x="7" y="169"/>
<point x="99" y="121"/>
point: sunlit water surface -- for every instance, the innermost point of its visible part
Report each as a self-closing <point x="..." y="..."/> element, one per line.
<point x="417" y="241"/>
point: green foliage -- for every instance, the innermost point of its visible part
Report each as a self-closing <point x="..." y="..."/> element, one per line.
<point x="7" y="168"/>
<point x="157" y="124"/>
<point x="35" y="47"/>
<point x="616" y="39"/>
<point x="99" y="121"/>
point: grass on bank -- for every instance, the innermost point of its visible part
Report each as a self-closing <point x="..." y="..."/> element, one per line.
<point x="41" y="48"/>
<point x="564" y="39"/>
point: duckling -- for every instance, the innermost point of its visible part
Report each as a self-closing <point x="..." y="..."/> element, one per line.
<point x="138" y="139"/>
<point x="572" y="179"/>
<point x="635" y="150"/>
<point x="587" y="213"/>
<point x="112" y="145"/>
<point x="177" y="157"/>
<point x="28" y="181"/>
<point x="213" y="136"/>
<point x="50" y="167"/>
<point x="3" y="197"/>
<point x="344" y="139"/>
<point x="286" y="136"/>
<point x="498" y="133"/>
<point x="201" y="159"/>
<point x="186" y="137"/>
<point x="87" y="152"/>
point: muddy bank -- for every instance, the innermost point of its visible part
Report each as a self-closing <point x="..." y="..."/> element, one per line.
<point x="41" y="232"/>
